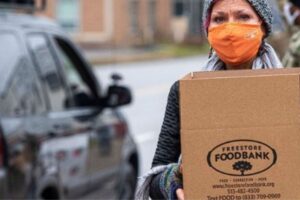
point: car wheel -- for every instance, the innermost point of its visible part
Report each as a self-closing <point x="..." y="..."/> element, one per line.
<point x="128" y="187"/>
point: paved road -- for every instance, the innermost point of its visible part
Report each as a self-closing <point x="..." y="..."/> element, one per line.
<point x="150" y="83"/>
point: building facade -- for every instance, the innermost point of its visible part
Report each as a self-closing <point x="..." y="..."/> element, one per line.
<point x="187" y="20"/>
<point x="128" y="22"/>
<point x="113" y="22"/>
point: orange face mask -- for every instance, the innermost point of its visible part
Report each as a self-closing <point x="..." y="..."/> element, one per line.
<point x="236" y="43"/>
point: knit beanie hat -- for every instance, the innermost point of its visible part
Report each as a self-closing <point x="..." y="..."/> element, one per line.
<point x="261" y="7"/>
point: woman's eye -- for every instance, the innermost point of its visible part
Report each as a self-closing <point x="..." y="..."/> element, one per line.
<point x="244" y="17"/>
<point x="218" y="19"/>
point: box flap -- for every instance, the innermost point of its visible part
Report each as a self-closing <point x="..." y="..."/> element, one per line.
<point x="239" y="73"/>
<point x="232" y="99"/>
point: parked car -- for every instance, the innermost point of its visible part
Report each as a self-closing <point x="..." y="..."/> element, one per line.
<point x="61" y="134"/>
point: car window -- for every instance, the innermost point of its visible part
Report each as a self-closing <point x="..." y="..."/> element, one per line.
<point x="24" y="96"/>
<point x="40" y="48"/>
<point x="21" y="91"/>
<point x="10" y="54"/>
<point x="81" y="93"/>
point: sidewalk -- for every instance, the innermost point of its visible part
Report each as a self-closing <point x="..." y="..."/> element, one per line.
<point x="134" y="54"/>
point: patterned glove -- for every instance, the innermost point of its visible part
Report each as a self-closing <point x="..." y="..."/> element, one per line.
<point x="170" y="181"/>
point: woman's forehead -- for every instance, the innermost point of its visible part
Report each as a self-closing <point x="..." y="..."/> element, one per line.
<point x="231" y="5"/>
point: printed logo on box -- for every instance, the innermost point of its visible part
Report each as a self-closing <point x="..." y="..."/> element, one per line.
<point x="242" y="158"/>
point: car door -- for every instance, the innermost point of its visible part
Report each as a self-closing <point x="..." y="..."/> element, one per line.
<point x="106" y="125"/>
<point x="21" y="101"/>
<point x="64" y="154"/>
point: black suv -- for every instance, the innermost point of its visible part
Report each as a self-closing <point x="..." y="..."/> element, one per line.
<point x="61" y="136"/>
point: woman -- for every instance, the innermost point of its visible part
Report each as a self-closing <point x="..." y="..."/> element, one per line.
<point x="236" y="31"/>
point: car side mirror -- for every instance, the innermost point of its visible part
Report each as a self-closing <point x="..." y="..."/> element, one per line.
<point x="118" y="95"/>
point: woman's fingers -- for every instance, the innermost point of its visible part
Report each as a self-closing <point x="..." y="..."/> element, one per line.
<point x="180" y="194"/>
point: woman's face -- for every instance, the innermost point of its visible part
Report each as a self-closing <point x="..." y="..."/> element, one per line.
<point x="225" y="11"/>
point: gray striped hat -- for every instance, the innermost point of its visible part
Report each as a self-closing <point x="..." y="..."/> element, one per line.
<point x="262" y="8"/>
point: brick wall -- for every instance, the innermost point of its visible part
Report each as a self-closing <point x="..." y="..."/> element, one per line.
<point x="100" y="26"/>
<point x="121" y="20"/>
<point x="92" y="16"/>
<point x="51" y="9"/>
<point x="164" y="16"/>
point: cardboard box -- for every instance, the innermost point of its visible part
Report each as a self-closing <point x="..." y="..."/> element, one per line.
<point x="240" y="134"/>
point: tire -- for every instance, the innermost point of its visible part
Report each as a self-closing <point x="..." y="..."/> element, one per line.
<point x="127" y="189"/>
<point x="50" y="193"/>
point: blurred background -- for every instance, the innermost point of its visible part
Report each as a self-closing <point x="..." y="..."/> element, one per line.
<point x="149" y="43"/>
<point x="152" y="43"/>
<point x="141" y="26"/>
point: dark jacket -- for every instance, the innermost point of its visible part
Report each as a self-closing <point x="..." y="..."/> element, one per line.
<point x="168" y="148"/>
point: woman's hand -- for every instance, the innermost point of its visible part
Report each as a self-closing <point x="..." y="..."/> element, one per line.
<point x="179" y="192"/>
<point x="171" y="182"/>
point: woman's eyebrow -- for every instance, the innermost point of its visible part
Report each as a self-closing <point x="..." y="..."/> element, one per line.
<point x="219" y="13"/>
<point x="242" y="11"/>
